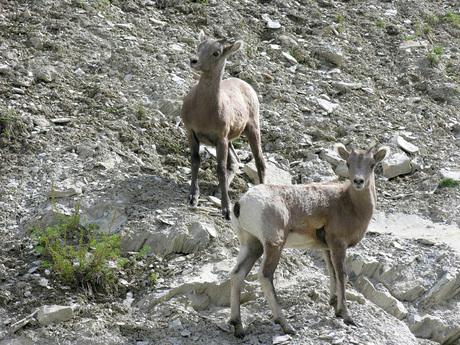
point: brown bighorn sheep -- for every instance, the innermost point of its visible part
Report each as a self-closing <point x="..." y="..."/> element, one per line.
<point x="217" y="111"/>
<point x="330" y="217"/>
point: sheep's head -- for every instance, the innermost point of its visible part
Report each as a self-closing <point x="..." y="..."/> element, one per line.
<point x="211" y="53"/>
<point x="361" y="163"/>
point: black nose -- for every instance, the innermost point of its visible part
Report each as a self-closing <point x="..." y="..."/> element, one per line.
<point x="358" y="181"/>
<point x="193" y="61"/>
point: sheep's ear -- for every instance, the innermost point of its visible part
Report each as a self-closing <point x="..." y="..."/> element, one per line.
<point x="201" y="36"/>
<point x="233" y="48"/>
<point x="381" y="154"/>
<point x="342" y="151"/>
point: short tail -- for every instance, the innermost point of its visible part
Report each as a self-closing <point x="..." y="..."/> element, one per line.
<point x="236" y="209"/>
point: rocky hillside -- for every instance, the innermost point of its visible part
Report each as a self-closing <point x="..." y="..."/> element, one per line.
<point x="90" y="98"/>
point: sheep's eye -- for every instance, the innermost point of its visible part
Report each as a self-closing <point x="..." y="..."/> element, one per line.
<point x="216" y="54"/>
<point x="372" y="166"/>
<point x="348" y="165"/>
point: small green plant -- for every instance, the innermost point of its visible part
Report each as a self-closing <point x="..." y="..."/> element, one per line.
<point x="339" y="18"/>
<point x="448" y="183"/>
<point x="8" y="114"/>
<point x="153" y="277"/>
<point x="452" y="18"/>
<point x="111" y="109"/>
<point x="80" y="254"/>
<point x="82" y="5"/>
<point x="433" y="59"/>
<point x="380" y="23"/>
<point x="431" y="19"/>
<point x="438" y="50"/>
<point x="237" y="144"/>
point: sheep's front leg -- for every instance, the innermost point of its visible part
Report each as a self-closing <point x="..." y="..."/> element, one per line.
<point x="338" y="252"/>
<point x="194" y="145"/>
<point x="222" y="155"/>
<point x="232" y="167"/>
<point x="333" y="280"/>
<point x="270" y="260"/>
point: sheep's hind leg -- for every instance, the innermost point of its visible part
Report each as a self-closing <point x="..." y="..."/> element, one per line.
<point x="253" y="135"/>
<point x="194" y="145"/>
<point x="232" y="167"/>
<point x="222" y="155"/>
<point x="270" y="260"/>
<point x="250" y="250"/>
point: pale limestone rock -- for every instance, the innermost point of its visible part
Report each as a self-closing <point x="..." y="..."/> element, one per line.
<point x="54" y="314"/>
<point x="405" y="145"/>
<point x="444" y="289"/>
<point x="273" y="174"/>
<point x="398" y="164"/>
<point x="381" y="298"/>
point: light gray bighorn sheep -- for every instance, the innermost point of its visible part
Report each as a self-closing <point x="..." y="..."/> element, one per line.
<point x="329" y="216"/>
<point x="215" y="112"/>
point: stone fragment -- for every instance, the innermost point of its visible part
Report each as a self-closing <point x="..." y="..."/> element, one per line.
<point x="4" y="68"/>
<point x="331" y="54"/>
<point x="40" y="121"/>
<point x="67" y="188"/>
<point x="342" y="170"/>
<point x="157" y="22"/>
<point x="281" y="339"/>
<point x="455" y="128"/>
<point x="344" y="87"/>
<point x="413" y="44"/>
<point x="289" y="58"/>
<point x="330" y="156"/>
<point x="106" y="215"/>
<point x="46" y="73"/>
<point x="453" y="174"/>
<point x="433" y="328"/>
<point x="61" y="120"/>
<point x="396" y="165"/>
<point x="37" y="43"/>
<point x="273" y="24"/>
<point x="381" y="298"/>
<point x="173" y="238"/>
<point x="329" y="107"/>
<point x="273" y="174"/>
<point x="54" y="314"/>
<point x="358" y="265"/>
<point x="25" y="82"/>
<point x="447" y="92"/>
<point x="170" y="108"/>
<point x="110" y="161"/>
<point x="288" y="41"/>
<point x="444" y="289"/>
<point x="405" y="145"/>
<point x="22" y="340"/>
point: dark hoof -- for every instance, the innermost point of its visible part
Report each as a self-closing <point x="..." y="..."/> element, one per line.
<point x="192" y="201"/>
<point x="239" y="330"/>
<point x="217" y="192"/>
<point x="350" y="322"/>
<point x="288" y="329"/>
<point x="226" y="215"/>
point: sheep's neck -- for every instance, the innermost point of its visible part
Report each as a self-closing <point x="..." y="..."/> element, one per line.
<point x="364" y="201"/>
<point x="209" y="86"/>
